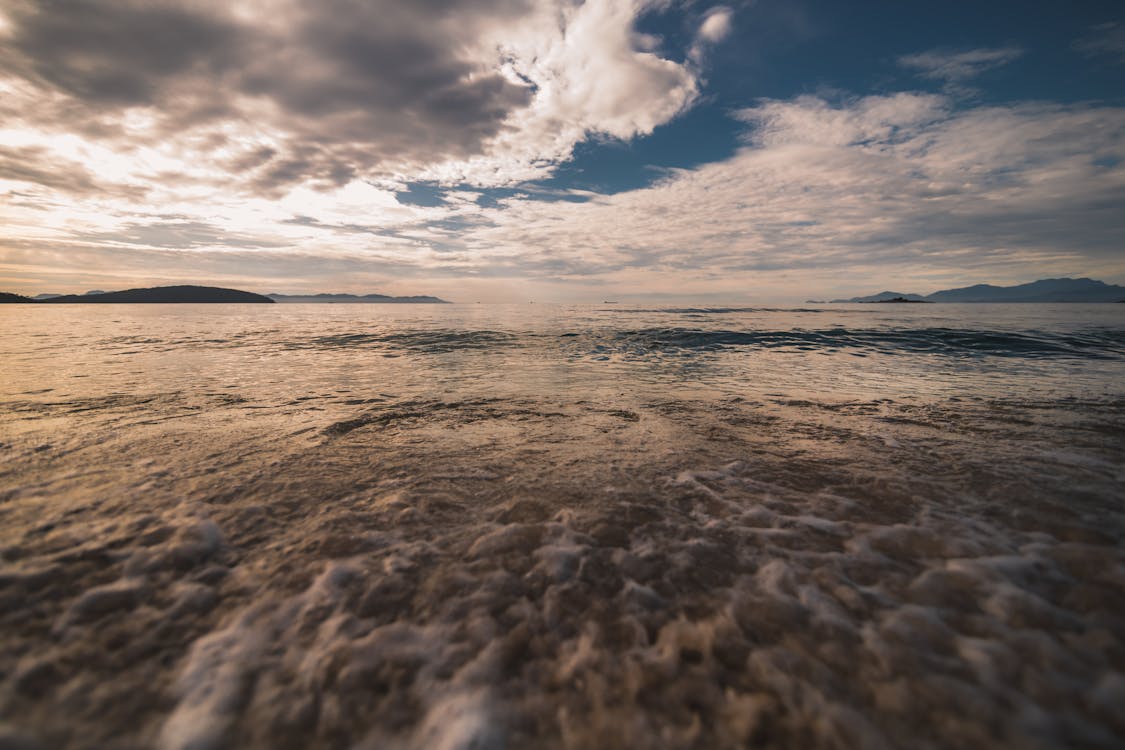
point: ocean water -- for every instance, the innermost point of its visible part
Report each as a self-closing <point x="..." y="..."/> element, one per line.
<point x="541" y="526"/>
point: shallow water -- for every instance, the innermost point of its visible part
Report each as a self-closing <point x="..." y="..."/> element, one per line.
<point x="477" y="526"/>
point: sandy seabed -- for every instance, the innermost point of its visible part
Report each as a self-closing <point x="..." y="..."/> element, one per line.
<point x="562" y="573"/>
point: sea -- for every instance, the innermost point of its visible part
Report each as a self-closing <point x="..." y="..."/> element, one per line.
<point x="473" y="527"/>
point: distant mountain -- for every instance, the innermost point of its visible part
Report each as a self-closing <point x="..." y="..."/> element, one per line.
<point x="1044" y="290"/>
<point x="355" y="298"/>
<point x="8" y="297"/>
<point x="162" y="294"/>
<point x="84" y="294"/>
<point x="211" y="294"/>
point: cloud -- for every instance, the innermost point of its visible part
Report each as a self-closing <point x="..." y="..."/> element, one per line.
<point x="856" y="192"/>
<point x="36" y="166"/>
<point x="717" y="24"/>
<point x="955" y="68"/>
<point x="870" y="186"/>
<point x="1106" y="40"/>
<point x="810" y="120"/>
<point x="281" y="92"/>
<point x="269" y="141"/>
<point x="592" y="73"/>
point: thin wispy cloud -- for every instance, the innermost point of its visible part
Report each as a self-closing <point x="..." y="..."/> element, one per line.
<point x="1104" y="41"/>
<point x="902" y="182"/>
<point x="955" y="69"/>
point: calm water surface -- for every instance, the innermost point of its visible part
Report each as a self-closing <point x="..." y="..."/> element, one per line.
<point x="485" y="526"/>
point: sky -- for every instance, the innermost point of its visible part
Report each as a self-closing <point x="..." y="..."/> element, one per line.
<point x="560" y="150"/>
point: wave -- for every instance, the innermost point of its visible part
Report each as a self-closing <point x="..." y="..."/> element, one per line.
<point x="429" y="342"/>
<point x="1091" y="343"/>
<point x="719" y="310"/>
<point x="1097" y="344"/>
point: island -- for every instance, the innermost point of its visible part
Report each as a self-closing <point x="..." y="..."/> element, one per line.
<point x="1042" y="291"/>
<point x="8" y="297"/>
<point x="151" y="295"/>
<point x="896" y="300"/>
<point x="357" y="298"/>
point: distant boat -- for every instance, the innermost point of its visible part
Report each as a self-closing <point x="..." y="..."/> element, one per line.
<point x="353" y="298"/>
<point x="897" y="300"/>
<point x="609" y="302"/>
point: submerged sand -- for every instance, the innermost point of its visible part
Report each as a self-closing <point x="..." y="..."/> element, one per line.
<point x="562" y="572"/>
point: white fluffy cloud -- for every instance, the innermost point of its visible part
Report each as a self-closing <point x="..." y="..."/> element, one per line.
<point x="716" y="26"/>
<point x="591" y="73"/>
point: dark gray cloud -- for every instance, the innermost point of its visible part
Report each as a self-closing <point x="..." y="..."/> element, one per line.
<point x="117" y="53"/>
<point x="254" y="98"/>
<point x="340" y="86"/>
<point x="388" y="74"/>
<point x="36" y="165"/>
<point x="175" y="235"/>
<point x="39" y="166"/>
